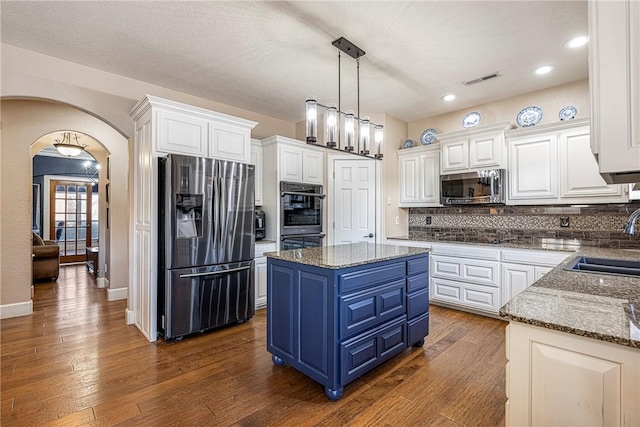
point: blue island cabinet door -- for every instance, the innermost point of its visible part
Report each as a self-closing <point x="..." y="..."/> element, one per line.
<point x="280" y="333"/>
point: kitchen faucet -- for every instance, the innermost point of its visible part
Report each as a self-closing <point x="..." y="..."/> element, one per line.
<point x="630" y="226"/>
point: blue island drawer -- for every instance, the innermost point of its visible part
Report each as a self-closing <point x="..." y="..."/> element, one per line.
<point x="417" y="303"/>
<point x="419" y="265"/>
<point x="418" y="328"/>
<point x="362" y="354"/>
<point x="366" y="278"/>
<point x="365" y="310"/>
<point x="419" y="281"/>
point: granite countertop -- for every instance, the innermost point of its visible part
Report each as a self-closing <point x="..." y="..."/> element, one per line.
<point x="600" y="306"/>
<point x="348" y="255"/>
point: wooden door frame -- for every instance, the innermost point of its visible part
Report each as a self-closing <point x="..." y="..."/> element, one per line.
<point x="330" y="191"/>
<point x="78" y="257"/>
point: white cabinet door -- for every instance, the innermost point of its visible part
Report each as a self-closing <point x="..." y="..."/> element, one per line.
<point x="559" y="379"/>
<point x="515" y="279"/>
<point x="229" y="143"/>
<point x="181" y="134"/>
<point x="455" y="156"/>
<point x="407" y="180"/>
<point x="312" y="167"/>
<point x="533" y="167"/>
<point x="579" y="174"/>
<point x="614" y="83"/>
<point x="429" y="178"/>
<point x="419" y="177"/>
<point x="256" y="160"/>
<point x="486" y="151"/>
<point x="290" y="163"/>
<point x="261" y="282"/>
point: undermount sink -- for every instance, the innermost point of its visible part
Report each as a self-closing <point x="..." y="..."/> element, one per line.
<point x="622" y="267"/>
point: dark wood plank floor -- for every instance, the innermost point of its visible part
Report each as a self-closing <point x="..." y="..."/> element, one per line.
<point x="74" y="362"/>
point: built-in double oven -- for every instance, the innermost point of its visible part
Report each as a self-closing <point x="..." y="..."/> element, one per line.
<point x="301" y="215"/>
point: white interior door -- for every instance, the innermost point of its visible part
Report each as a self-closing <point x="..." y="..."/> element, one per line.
<point x="354" y="207"/>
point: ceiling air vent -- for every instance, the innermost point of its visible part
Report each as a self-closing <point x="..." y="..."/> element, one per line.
<point x="482" y="79"/>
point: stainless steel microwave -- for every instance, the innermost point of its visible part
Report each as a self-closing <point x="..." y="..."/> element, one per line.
<point x="473" y="188"/>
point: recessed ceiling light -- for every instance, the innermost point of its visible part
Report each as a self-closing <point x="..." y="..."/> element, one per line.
<point x="448" y="97"/>
<point x="576" y="42"/>
<point x="545" y="69"/>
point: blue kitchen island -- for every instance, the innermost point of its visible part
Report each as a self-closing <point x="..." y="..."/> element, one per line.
<point x="336" y="312"/>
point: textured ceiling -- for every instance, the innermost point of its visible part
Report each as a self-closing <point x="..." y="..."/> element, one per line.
<point x="269" y="56"/>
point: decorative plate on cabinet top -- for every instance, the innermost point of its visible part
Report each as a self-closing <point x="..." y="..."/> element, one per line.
<point x="471" y="120"/>
<point x="428" y="136"/>
<point x="408" y="143"/>
<point x="567" y="113"/>
<point x="529" y="116"/>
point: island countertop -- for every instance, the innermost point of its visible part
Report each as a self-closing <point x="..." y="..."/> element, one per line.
<point x="600" y="306"/>
<point x="346" y="255"/>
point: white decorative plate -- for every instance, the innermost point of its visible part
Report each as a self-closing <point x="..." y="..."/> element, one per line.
<point x="471" y="120"/>
<point x="408" y="143"/>
<point x="428" y="136"/>
<point x="529" y="116"/>
<point x="567" y="113"/>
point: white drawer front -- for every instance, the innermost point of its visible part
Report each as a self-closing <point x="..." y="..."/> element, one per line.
<point x="443" y="290"/>
<point x="466" y="251"/>
<point x="466" y="295"/>
<point x="467" y="270"/>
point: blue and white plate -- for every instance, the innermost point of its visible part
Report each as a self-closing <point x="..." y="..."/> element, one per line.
<point x="567" y="113"/>
<point x="529" y="116"/>
<point x="408" y="143"/>
<point x="471" y="120"/>
<point x="428" y="136"/>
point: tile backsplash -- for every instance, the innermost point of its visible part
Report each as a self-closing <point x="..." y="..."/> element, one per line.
<point x="589" y="225"/>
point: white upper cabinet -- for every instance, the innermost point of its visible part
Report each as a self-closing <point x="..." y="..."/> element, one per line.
<point x="229" y="142"/>
<point x="419" y="176"/>
<point x="299" y="163"/>
<point x="554" y="164"/>
<point x="533" y="167"/>
<point x="256" y="160"/>
<point x="181" y="134"/>
<point x="476" y="149"/>
<point x="614" y="80"/>
<point x="193" y="131"/>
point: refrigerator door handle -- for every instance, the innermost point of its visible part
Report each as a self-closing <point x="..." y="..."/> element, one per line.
<point x="212" y="273"/>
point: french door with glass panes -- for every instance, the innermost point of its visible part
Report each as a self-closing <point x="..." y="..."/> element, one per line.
<point x="71" y="219"/>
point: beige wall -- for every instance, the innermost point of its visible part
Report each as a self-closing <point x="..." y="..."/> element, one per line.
<point x="549" y="100"/>
<point x="23" y="123"/>
<point x="100" y="99"/>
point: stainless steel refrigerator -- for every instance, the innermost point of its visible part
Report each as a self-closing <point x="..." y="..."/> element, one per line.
<point x="205" y="245"/>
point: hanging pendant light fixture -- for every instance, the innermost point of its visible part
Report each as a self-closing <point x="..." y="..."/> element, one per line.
<point x="66" y="145"/>
<point x="356" y="128"/>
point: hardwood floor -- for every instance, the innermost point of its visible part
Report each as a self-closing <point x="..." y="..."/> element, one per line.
<point x="75" y="362"/>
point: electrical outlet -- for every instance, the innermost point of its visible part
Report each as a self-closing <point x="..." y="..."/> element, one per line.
<point x="106" y="267"/>
<point x="564" y="221"/>
<point x="428" y="220"/>
<point x="397" y="220"/>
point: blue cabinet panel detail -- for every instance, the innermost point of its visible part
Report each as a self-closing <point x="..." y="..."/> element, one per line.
<point x="334" y="325"/>
<point x="418" y="282"/>
<point x="417" y="303"/>
<point x="372" y="276"/>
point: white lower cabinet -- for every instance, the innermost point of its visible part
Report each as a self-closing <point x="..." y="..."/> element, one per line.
<point x="521" y="267"/>
<point x="261" y="272"/>
<point x="466" y="276"/>
<point x="558" y="379"/>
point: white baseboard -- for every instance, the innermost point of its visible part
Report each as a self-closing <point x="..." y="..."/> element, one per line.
<point x="103" y="282"/>
<point x="130" y="316"/>
<point x="16" y="310"/>
<point x="117" y="294"/>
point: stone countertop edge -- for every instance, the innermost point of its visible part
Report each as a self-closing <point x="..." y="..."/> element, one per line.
<point x="544" y="244"/>
<point x="347" y="255"/>
<point x="560" y="299"/>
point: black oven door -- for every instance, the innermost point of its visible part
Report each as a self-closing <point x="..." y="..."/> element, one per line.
<point x="301" y="241"/>
<point x="301" y="208"/>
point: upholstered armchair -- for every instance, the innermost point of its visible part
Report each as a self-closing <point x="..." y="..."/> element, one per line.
<point x="46" y="258"/>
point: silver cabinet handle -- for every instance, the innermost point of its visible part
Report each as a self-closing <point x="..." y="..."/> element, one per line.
<point x="369" y="235"/>
<point x="212" y="273"/>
